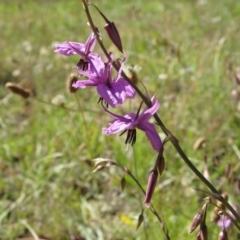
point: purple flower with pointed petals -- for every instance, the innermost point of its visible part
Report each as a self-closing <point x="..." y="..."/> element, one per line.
<point x="132" y="121"/>
<point x="86" y="63"/>
<point x="113" y="91"/>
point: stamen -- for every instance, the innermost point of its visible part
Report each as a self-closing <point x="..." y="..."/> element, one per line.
<point x="101" y="101"/>
<point x="131" y="137"/>
<point x="108" y="80"/>
<point x="82" y="64"/>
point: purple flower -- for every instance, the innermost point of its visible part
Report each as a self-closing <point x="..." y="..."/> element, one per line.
<point x="132" y="121"/>
<point x="84" y="50"/>
<point x="224" y="222"/>
<point x="112" y="91"/>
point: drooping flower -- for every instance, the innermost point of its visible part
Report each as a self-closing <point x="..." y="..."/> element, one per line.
<point x="86" y="63"/>
<point x="113" y="91"/>
<point x="132" y="121"/>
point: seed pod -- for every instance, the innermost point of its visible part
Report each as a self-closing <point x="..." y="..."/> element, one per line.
<point x="25" y="93"/>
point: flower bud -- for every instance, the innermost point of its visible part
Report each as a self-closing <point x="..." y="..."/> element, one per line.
<point x="196" y="220"/>
<point x="223" y="235"/>
<point x="111" y="31"/>
<point x="114" y="35"/>
<point x="152" y="181"/>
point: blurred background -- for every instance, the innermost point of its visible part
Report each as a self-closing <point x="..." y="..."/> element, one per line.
<point x="185" y="52"/>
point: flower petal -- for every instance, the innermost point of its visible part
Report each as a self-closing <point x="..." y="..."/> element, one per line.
<point x="105" y="92"/>
<point x="123" y="90"/>
<point x="151" y="134"/>
<point x="148" y="112"/>
<point x="126" y="118"/>
<point x="90" y="43"/>
<point x="84" y="83"/>
<point x="96" y="65"/>
<point x="68" y="48"/>
<point x="77" y="48"/>
<point x="117" y="126"/>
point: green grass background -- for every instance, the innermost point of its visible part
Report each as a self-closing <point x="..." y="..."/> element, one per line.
<point x="188" y="52"/>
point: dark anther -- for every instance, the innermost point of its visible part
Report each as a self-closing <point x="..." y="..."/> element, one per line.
<point x="82" y="64"/>
<point x="101" y="101"/>
<point x="131" y="136"/>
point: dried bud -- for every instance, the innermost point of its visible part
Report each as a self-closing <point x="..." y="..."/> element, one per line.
<point x="140" y="220"/>
<point x="123" y="183"/>
<point x="98" y="168"/>
<point x="25" y="93"/>
<point x="199" y="143"/>
<point x="196" y="220"/>
<point x="101" y="163"/>
<point x="72" y="78"/>
<point x="223" y="235"/>
<point x="219" y="207"/>
<point x="152" y="181"/>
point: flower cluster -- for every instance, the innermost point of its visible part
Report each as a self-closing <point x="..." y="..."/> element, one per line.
<point x="112" y="90"/>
